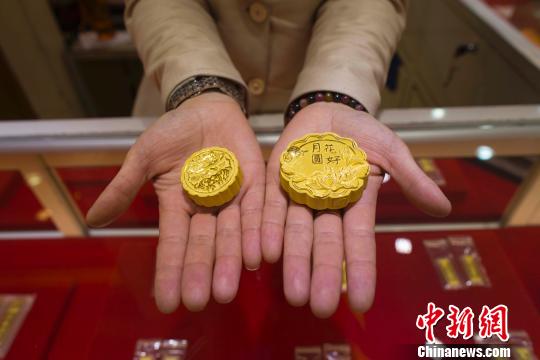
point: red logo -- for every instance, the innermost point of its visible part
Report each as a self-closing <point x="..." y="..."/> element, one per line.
<point x="492" y="321"/>
<point x="429" y="320"/>
<point x="461" y="322"/>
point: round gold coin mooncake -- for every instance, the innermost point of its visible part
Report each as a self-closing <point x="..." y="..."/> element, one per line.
<point x="324" y="171"/>
<point x="211" y="176"/>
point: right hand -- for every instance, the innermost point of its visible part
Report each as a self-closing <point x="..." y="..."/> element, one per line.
<point x="200" y="250"/>
<point x="315" y="243"/>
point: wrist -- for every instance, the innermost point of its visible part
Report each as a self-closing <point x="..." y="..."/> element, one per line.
<point x="218" y="111"/>
<point x="207" y="104"/>
<point x="321" y="97"/>
<point x="209" y="97"/>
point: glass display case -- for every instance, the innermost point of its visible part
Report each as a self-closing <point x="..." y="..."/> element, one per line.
<point x="463" y="92"/>
<point x="94" y="286"/>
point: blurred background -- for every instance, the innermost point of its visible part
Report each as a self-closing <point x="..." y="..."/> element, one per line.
<point x="74" y="58"/>
<point x="463" y="91"/>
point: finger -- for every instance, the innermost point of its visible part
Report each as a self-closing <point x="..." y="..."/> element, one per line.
<point x="274" y="213"/>
<point x="327" y="264"/>
<point x="297" y="254"/>
<point x="119" y="194"/>
<point x="198" y="261"/>
<point x="358" y="229"/>
<point x="228" y="254"/>
<point x="415" y="184"/>
<point x="173" y="233"/>
<point x="251" y="218"/>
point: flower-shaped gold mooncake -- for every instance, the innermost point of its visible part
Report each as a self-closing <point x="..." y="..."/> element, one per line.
<point x="324" y="171"/>
<point x="211" y="176"/>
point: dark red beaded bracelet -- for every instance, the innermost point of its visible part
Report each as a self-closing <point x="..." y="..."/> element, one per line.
<point x="321" y="96"/>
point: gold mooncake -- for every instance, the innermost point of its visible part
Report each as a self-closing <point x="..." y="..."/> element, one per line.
<point x="211" y="176"/>
<point x="324" y="171"/>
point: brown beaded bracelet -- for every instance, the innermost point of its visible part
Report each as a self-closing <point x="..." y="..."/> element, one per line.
<point x="319" y="96"/>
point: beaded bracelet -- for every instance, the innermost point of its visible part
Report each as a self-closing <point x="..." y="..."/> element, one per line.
<point x="319" y="96"/>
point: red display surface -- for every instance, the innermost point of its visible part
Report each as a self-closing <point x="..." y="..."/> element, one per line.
<point x="522" y="247"/>
<point x="102" y="293"/>
<point x="85" y="185"/>
<point x="465" y="187"/>
<point x="71" y="279"/>
<point x="476" y="193"/>
<point x="19" y="208"/>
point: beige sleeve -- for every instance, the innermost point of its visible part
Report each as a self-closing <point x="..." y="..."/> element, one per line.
<point x="350" y="49"/>
<point x="177" y="39"/>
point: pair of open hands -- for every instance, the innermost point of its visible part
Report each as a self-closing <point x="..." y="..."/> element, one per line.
<point x="201" y="250"/>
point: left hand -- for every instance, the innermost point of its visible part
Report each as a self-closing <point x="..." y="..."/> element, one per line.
<point x="200" y="250"/>
<point x="329" y="235"/>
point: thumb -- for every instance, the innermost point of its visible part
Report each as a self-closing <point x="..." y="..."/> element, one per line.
<point x="120" y="192"/>
<point x="419" y="189"/>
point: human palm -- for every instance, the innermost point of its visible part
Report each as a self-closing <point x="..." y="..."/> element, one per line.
<point x="200" y="250"/>
<point x="314" y="244"/>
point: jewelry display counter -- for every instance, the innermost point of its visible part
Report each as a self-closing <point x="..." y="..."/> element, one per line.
<point x="91" y="289"/>
<point x="93" y="299"/>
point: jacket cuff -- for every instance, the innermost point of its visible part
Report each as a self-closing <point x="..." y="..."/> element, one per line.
<point x="174" y="73"/>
